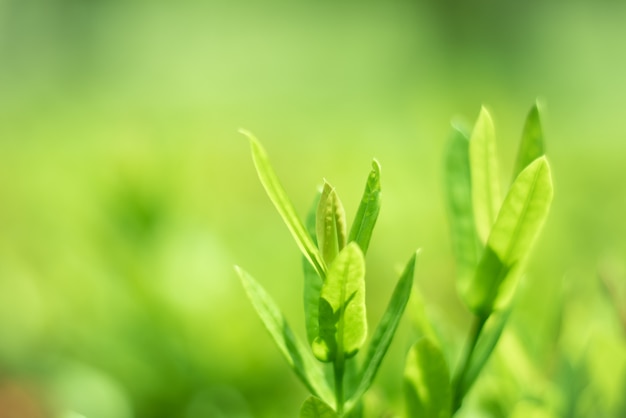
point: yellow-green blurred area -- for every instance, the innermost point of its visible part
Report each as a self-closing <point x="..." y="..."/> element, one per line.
<point x="127" y="195"/>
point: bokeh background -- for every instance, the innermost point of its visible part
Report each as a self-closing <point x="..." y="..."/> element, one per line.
<point x="127" y="195"/>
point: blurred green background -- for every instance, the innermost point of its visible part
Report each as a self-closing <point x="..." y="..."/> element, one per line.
<point x="126" y="193"/>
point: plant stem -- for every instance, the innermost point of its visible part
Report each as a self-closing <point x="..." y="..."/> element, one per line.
<point x="339" y="369"/>
<point x="458" y="390"/>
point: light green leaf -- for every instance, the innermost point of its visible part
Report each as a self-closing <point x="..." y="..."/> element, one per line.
<point x="296" y="354"/>
<point x="331" y="224"/>
<point x="427" y="382"/>
<point x="465" y="243"/>
<point x="343" y="324"/>
<point x="367" y="214"/>
<point x="385" y="331"/>
<point x="312" y="281"/>
<point x="532" y="145"/>
<point x="316" y="408"/>
<point x="518" y="224"/>
<point x="283" y="205"/>
<point x="486" y="197"/>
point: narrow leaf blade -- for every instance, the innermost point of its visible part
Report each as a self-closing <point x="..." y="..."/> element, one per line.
<point x="485" y="176"/>
<point x="296" y="354"/>
<point x="427" y="382"/>
<point x="465" y="243"/>
<point x="486" y="343"/>
<point x="316" y="408"/>
<point x="312" y="281"/>
<point x="519" y="223"/>
<point x="343" y="323"/>
<point x="331" y="224"/>
<point x="283" y="205"/>
<point x="385" y="331"/>
<point x="369" y="208"/>
<point x="532" y="143"/>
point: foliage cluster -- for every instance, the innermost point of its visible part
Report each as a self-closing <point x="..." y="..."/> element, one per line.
<point x="492" y="237"/>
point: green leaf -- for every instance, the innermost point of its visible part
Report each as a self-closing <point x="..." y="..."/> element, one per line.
<point x="427" y="382"/>
<point x="486" y="343"/>
<point x="385" y="331"/>
<point x="316" y="408"/>
<point x="532" y="143"/>
<point x="331" y="224"/>
<point x="420" y="321"/>
<point x="465" y="243"/>
<point x="283" y="205"/>
<point x="366" y="215"/>
<point x="484" y="172"/>
<point x="519" y="222"/>
<point x="312" y="281"/>
<point x="296" y="354"/>
<point x="343" y="324"/>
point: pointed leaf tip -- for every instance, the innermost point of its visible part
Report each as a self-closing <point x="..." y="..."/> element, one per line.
<point x="369" y="208"/>
<point x="330" y="224"/>
<point x="246" y="133"/>
<point x="283" y="205"/>
<point x="376" y="165"/>
<point x="532" y="143"/>
<point x="485" y="178"/>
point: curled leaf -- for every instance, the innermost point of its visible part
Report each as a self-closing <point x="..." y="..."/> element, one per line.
<point x="331" y="224"/>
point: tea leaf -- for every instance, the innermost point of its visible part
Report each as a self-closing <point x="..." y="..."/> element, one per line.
<point x="427" y="382"/>
<point x="296" y="354"/>
<point x="342" y="320"/>
<point x="420" y="321"/>
<point x="367" y="214"/>
<point x="532" y="143"/>
<point x="312" y="281"/>
<point x="486" y="343"/>
<point x="486" y="197"/>
<point x="316" y="408"/>
<point x="283" y="205"/>
<point x="385" y="331"/>
<point x="522" y="215"/>
<point x="465" y="242"/>
<point x="331" y="224"/>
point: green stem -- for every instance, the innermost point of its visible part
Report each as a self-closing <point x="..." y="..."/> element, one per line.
<point x="458" y="389"/>
<point x="339" y="369"/>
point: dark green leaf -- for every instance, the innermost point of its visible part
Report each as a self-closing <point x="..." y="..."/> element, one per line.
<point x="316" y="408"/>
<point x="331" y="224"/>
<point x="427" y="382"/>
<point x="486" y="343"/>
<point x="283" y="205"/>
<point x="465" y="242"/>
<point x="296" y="354"/>
<point x="385" y="331"/>
<point x="343" y="323"/>
<point x="518" y="224"/>
<point x="532" y="144"/>
<point x="485" y="175"/>
<point x="365" y="219"/>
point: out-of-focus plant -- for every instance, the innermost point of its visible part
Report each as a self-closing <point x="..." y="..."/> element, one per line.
<point x="492" y="238"/>
<point x="334" y="296"/>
